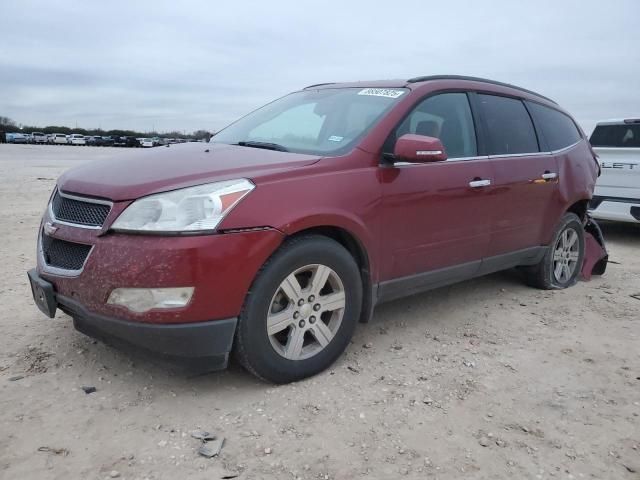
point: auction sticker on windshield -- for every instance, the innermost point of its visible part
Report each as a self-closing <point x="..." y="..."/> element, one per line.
<point x="381" y="92"/>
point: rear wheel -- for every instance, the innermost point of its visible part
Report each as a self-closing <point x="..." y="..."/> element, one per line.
<point x="562" y="263"/>
<point x="301" y="310"/>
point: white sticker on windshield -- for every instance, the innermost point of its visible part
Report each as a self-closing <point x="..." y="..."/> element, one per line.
<point x="381" y="92"/>
<point x="335" y="138"/>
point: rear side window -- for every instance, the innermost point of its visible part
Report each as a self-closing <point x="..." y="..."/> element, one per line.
<point x="446" y="116"/>
<point x="558" y="129"/>
<point x="624" y="136"/>
<point x="508" y="125"/>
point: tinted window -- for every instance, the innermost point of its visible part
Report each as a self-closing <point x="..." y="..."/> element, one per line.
<point x="616" y="136"/>
<point x="447" y="117"/>
<point x="508" y="125"/>
<point x="558" y="130"/>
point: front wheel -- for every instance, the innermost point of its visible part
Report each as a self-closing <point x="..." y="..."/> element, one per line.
<point x="301" y="310"/>
<point x="562" y="263"/>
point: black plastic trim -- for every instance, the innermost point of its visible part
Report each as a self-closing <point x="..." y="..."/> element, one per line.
<point x="421" y="282"/>
<point x="210" y="340"/>
<point x="596" y="200"/>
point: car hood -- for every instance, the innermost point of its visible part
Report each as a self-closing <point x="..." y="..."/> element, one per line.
<point x="135" y="173"/>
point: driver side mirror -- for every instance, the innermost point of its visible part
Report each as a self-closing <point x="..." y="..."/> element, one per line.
<point x="419" y="149"/>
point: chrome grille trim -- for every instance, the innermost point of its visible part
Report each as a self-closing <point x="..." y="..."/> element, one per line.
<point x="75" y="198"/>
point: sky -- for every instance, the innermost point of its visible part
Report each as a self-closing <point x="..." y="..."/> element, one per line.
<point x="167" y="65"/>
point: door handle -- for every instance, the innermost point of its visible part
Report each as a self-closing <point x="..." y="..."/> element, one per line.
<point x="549" y="175"/>
<point x="479" y="183"/>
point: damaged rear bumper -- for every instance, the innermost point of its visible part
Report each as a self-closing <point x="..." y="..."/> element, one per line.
<point x="596" y="256"/>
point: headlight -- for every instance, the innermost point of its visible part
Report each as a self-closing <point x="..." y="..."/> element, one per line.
<point x="189" y="209"/>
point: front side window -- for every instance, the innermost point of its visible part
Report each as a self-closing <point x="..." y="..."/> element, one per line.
<point x="624" y="136"/>
<point x="320" y="122"/>
<point x="508" y="125"/>
<point x="558" y="129"/>
<point x="446" y="116"/>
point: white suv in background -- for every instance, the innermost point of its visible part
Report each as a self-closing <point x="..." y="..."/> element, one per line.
<point x="59" y="138"/>
<point x="617" y="193"/>
<point x="77" y="139"/>
<point x="39" y="137"/>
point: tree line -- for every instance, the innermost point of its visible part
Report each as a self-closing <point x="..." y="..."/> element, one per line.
<point x="7" y="125"/>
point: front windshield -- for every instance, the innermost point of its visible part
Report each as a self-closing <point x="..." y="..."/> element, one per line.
<point x="319" y="122"/>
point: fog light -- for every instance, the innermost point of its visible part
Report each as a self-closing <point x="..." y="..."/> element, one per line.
<point x="143" y="299"/>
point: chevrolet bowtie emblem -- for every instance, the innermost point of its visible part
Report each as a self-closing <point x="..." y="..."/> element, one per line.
<point x="50" y="228"/>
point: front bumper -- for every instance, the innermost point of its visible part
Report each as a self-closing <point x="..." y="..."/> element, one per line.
<point x="205" y="343"/>
<point x="220" y="268"/>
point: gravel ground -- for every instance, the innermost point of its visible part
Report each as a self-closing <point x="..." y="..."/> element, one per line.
<point x="484" y="379"/>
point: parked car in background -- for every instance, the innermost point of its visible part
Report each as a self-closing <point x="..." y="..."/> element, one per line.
<point x="299" y="218"/>
<point x="94" y="141"/>
<point x="118" y="141"/>
<point x="28" y="137"/>
<point x="131" y="142"/>
<point x="617" y="193"/>
<point x="16" y="138"/>
<point x="77" y="139"/>
<point x="60" y="139"/>
<point x="39" y="137"/>
<point x="146" y="142"/>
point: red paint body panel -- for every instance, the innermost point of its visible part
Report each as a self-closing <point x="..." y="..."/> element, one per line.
<point x="408" y="219"/>
<point x="432" y="218"/>
<point x="143" y="172"/>
<point x="521" y="203"/>
<point x="221" y="267"/>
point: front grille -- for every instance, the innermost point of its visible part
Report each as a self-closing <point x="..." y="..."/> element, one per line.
<point x="80" y="212"/>
<point x="62" y="254"/>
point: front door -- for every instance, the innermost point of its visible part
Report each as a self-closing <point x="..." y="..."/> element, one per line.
<point x="435" y="221"/>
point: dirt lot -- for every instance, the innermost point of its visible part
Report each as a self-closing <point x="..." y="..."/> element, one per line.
<point x="486" y="379"/>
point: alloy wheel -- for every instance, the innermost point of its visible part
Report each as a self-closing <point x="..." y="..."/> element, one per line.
<point x="565" y="255"/>
<point x="306" y="312"/>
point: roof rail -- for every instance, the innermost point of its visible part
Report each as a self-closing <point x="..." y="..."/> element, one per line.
<point x="319" y="85"/>
<point x="475" y="79"/>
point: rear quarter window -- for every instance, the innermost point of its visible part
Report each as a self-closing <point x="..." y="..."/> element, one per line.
<point x="508" y="125"/>
<point x="558" y="130"/>
<point x="622" y="136"/>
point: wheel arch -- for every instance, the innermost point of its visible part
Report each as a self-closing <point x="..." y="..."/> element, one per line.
<point x="579" y="208"/>
<point x="354" y="245"/>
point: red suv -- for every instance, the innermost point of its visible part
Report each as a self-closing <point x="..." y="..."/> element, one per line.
<point x="277" y="237"/>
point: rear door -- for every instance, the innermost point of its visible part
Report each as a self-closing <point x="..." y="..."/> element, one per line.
<point x="433" y="220"/>
<point x="525" y="180"/>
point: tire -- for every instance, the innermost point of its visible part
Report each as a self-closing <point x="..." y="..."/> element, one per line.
<point x="544" y="275"/>
<point x="283" y="298"/>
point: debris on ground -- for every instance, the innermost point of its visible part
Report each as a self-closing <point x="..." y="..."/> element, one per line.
<point x="56" y="451"/>
<point x="89" y="390"/>
<point x="15" y="378"/>
<point x="211" y="448"/>
<point x="484" y="441"/>
<point x="114" y="474"/>
<point x="202" y="435"/>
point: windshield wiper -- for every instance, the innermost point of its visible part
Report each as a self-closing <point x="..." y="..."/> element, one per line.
<point x="265" y="145"/>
